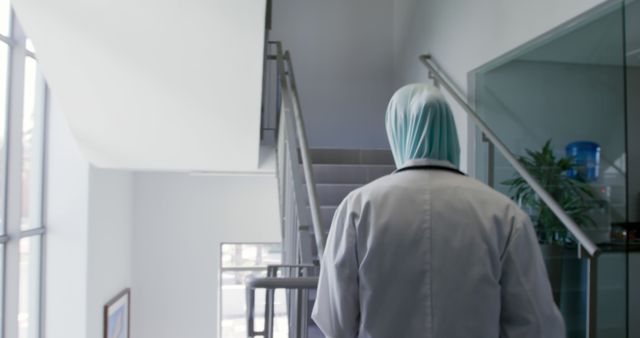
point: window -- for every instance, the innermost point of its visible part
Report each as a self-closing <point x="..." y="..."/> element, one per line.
<point x="22" y="138"/>
<point x="239" y="261"/>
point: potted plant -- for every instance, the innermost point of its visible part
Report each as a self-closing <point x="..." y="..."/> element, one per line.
<point x="574" y="195"/>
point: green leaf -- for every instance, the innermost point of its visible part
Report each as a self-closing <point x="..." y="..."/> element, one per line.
<point x="574" y="195"/>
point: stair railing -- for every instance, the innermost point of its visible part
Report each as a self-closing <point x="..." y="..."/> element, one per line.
<point x="292" y="141"/>
<point x="292" y="155"/>
<point x="586" y="247"/>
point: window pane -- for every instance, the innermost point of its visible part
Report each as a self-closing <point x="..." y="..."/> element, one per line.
<point x="32" y="149"/>
<point x="233" y="322"/>
<point x="250" y="255"/>
<point x="232" y="289"/>
<point x="5" y="17"/>
<point x="29" y="292"/>
<point x="233" y="305"/>
<point x="4" y="67"/>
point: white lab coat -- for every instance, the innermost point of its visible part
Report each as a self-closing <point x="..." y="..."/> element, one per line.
<point x="436" y="254"/>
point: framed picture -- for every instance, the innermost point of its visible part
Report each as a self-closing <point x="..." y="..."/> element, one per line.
<point x="117" y="315"/>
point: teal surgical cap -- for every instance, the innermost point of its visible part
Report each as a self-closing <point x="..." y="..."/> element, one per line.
<point x="420" y="125"/>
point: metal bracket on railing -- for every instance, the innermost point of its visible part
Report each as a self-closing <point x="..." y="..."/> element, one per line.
<point x="591" y="322"/>
<point x="433" y="77"/>
<point x="491" y="162"/>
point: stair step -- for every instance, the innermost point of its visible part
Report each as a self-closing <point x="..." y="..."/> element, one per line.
<point x="326" y="215"/>
<point x="314" y="331"/>
<point x="350" y="173"/>
<point x="351" y="156"/>
<point x="333" y="193"/>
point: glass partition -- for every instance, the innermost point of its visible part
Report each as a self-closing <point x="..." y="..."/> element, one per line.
<point x="632" y="35"/>
<point x="559" y="103"/>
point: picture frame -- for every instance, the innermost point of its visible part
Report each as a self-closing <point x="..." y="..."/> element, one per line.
<point x="117" y="315"/>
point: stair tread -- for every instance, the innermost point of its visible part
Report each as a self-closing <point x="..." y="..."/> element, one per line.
<point x="374" y="165"/>
<point x="355" y="185"/>
<point x="351" y="156"/>
<point x="349" y="173"/>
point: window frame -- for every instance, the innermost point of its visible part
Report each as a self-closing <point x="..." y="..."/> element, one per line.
<point x="13" y="160"/>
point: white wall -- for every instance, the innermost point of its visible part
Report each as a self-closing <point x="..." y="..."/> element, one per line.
<point x="109" y="238"/>
<point x="465" y="34"/>
<point x="88" y="219"/>
<point x="342" y="56"/>
<point x="67" y="233"/>
<point x="179" y="223"/>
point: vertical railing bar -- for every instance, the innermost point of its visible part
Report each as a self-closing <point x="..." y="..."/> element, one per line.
<point x="282" y="174"/>
<point x="299" y="314"/>
<point x="250" y="295"/>
<point x="298" y="193"/>
<point x="491" y="164"/>
<point x="269" y="313"/>
<point x="304" y="313"/>
<point x="592" y="297"/>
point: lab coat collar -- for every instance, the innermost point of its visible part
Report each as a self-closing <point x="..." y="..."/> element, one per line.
<point x="422" y="162"/>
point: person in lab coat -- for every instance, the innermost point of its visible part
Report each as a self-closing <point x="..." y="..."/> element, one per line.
<point x="429" y="252"/>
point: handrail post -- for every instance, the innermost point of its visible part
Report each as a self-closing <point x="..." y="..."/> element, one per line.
<point x="490" y="162"/>
<point x="302" y="313"/>
<point x="250" y="299"/>
<point x="591" y="328"/>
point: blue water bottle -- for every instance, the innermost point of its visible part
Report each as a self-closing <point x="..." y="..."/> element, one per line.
<point x="586" y="160"/>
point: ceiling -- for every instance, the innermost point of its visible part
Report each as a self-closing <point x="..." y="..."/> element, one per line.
<point x="155" y="85"/>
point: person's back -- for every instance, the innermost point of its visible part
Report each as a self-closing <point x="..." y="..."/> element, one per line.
<point x="429" y="252"/>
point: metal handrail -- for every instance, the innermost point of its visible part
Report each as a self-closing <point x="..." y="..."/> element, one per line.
<point x="282" y="283"/>
<point x="289" y="92"/>
<point x="301" y="285"/>
<point x="302" y="269"/>
<point x="569" y="223"/>
<point x="586" y="246"/>
<point x="291" y="140"/>
<point x="301" y="281"/>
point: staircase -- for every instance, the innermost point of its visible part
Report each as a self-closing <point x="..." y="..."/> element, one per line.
<point x="337" y="172"/>
<point x="313" y="182"/>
